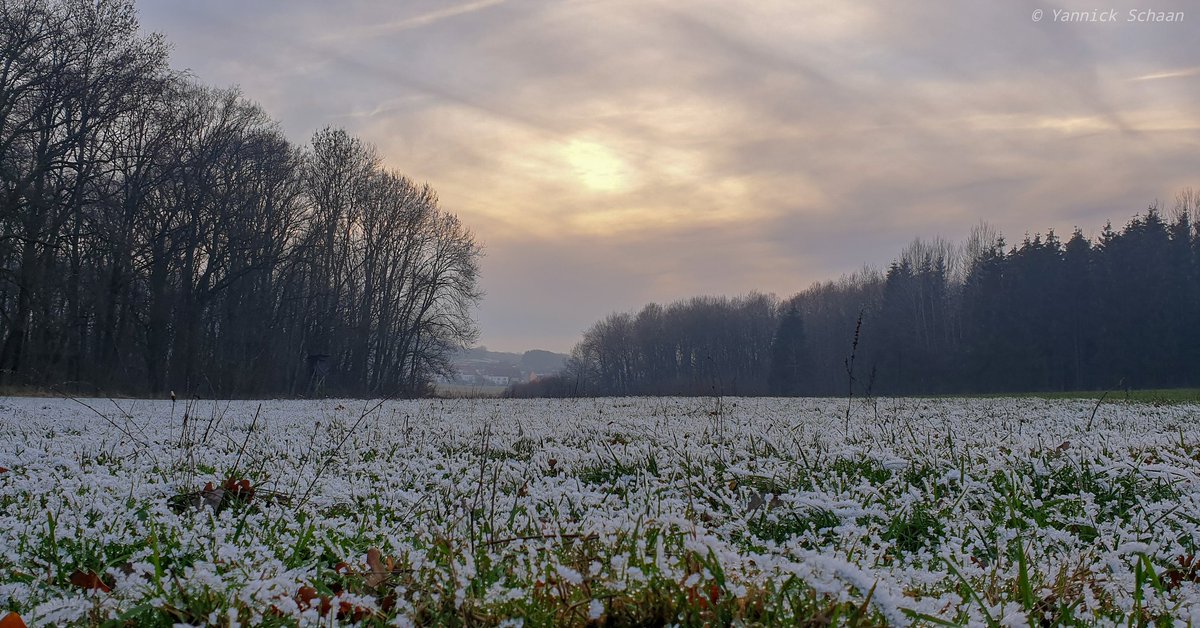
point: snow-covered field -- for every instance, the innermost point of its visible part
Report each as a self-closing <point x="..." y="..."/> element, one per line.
<point x="616" y="511"/>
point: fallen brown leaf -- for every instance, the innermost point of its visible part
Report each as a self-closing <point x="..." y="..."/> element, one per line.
<point x="240" y="489"/>
<point x="89" y="580"/>
<point x="308" y="597"/>
<point x="379" y="571"/>
<point x="353" y="612"/>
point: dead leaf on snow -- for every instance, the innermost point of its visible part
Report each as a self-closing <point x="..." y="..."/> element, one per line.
<point x="239" y="489"/>
<point x="308" y="597"/>
<point x="380" y="570"/>
<point x="89" y="580"/>
<point x="230" y="491"/>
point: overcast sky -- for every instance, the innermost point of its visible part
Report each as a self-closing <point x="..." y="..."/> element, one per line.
<point x="609" y="153"/>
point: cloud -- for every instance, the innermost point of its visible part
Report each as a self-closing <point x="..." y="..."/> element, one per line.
<point x="417" y="21"/>
<point x="613" y="152"/>
<point x="1169" y="74"/>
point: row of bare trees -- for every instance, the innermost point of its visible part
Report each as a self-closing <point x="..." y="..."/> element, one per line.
<point x="157" y="234"/>
<point x="700" y="346"/>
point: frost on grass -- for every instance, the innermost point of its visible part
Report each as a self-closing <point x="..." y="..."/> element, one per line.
<point x="599" y="511"/>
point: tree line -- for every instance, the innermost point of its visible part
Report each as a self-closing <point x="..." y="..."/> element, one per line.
<point x="1119" y="311"/>
<point x="158" y="234"/>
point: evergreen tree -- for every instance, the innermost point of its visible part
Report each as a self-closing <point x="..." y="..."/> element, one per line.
<point x="1080" y="302"/>
<point x="789" y="357"/>
<point x="982" y="353"/>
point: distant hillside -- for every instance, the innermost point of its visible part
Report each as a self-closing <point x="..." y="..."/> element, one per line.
<point x="543" y="362"/>
<point x="482" y="353"/>
<point x="479" y="366"/>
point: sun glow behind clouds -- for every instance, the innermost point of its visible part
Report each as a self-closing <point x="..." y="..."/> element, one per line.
<point x="598" y="167"/>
